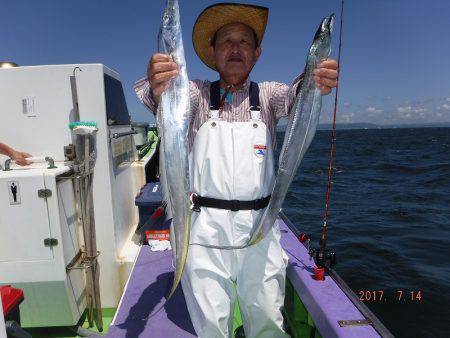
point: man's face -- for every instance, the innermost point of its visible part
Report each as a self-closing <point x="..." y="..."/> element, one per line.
<point x="235" y="52"/>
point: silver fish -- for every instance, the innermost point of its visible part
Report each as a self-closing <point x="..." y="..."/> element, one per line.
<point x="300" y="130"/>
<point x="173" y="123"/>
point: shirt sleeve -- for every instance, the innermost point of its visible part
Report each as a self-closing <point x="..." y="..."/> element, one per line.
<point x="144" y="94"/>
<point x="282" y="97"/>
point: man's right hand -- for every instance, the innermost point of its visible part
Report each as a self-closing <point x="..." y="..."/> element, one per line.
<point x="161" y="69"/>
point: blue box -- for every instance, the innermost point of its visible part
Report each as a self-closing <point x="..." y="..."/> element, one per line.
<point x="148" y="200"/>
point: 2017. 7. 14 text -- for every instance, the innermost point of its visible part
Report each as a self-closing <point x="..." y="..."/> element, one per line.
<point x="414" y="296"/>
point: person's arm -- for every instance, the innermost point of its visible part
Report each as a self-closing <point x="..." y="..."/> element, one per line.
<point x="282" y="96"/>
<point x="5" y="150"/>
<point x="17" y="156"/>
<point x="160" y="71"/>
<point x="144" y="93"/>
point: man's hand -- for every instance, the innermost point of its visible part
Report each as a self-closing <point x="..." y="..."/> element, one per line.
<point x="325" y="75"/>
<point x="20" y="157"/>
<point x="161" y="69"/>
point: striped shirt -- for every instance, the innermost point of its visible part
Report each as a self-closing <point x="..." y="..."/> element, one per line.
<point x="275" y="98"/>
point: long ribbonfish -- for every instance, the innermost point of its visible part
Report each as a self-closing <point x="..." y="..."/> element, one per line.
<point x="173" y="123"/>
<point x="300" y="131"/>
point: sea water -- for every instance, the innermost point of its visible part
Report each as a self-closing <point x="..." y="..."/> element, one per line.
<point x="389" y="220"/>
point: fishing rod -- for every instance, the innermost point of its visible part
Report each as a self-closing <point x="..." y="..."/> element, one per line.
<point x="324" y="257"/>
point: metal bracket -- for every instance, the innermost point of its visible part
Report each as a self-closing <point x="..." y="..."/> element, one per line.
<point x="69" y="152"/>
<point x="51" y="162"/>
<point x="82" y="261"/>
<point x="7" y="165"/>
<point x="126" y="133"/>
<point x="50" y="242"/>
<point x="44" y="193"/>
<point x="354" y="322"/>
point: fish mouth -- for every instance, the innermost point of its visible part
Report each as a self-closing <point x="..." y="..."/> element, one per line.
<point x="330" y="23"/>
<point x="325" y="27"/>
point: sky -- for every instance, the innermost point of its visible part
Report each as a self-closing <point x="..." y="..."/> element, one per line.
<point x="394" y="62"/>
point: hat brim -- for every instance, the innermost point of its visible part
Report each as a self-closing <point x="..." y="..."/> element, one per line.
<point x="218" y="15"/>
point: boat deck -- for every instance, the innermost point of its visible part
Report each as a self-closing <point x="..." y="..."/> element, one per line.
<point x="144" y="312"/>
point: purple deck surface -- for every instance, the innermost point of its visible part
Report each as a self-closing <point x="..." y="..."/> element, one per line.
<point x="324" y="300"/>
<point x="143" y="311"/>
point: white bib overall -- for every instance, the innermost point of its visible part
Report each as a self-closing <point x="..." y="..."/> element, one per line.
<point x="233" y="161"/>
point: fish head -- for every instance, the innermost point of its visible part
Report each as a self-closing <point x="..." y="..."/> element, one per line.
<point x="171" y="15"/>
<point x="321" y="45"/>
<point x="170" y="29"/>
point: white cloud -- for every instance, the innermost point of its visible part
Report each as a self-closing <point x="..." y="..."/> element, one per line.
<point x="373" y="110"/>
<point x="408" y="110"/>
<point x="404" y="109"/>
<point x="445" y="106"/>
<point x="347" y="118"/>
<point x="448" y="99"/>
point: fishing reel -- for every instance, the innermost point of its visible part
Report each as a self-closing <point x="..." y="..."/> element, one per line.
<point x="323" y="258"/>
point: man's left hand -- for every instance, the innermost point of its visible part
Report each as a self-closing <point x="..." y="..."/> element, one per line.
<point x="325" y="75"/>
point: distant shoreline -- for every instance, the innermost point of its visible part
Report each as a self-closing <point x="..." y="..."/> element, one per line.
<point x="350" y="126"/>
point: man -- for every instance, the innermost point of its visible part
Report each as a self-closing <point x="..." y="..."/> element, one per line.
<point x="19" y="157"/>
<point x="232" y="136"/>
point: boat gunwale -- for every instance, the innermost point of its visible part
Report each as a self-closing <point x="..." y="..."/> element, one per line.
<point x="360" y="306"/>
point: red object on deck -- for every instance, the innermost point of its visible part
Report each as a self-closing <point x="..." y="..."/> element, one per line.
<point x="160" y="235"/>
<point x="11" y="298"/>
<point x="319" y="273"/>
<point x="303" y="237"/>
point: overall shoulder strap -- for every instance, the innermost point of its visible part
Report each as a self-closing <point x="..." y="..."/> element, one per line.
<point x="214" y="95"/>
<point x="254" y="96"/>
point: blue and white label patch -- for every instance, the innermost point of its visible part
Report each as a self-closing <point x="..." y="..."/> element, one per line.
<point x="259" y="150"/>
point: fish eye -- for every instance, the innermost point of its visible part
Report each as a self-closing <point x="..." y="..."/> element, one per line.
<point x="166" y="17"/>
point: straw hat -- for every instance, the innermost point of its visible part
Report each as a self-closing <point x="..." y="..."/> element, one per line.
<point x="218" y="15"/>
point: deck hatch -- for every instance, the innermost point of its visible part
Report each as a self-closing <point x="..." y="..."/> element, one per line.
<point x="24" y="226"/>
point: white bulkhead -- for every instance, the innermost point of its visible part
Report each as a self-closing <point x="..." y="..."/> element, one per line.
<point x="37" y="104"/>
